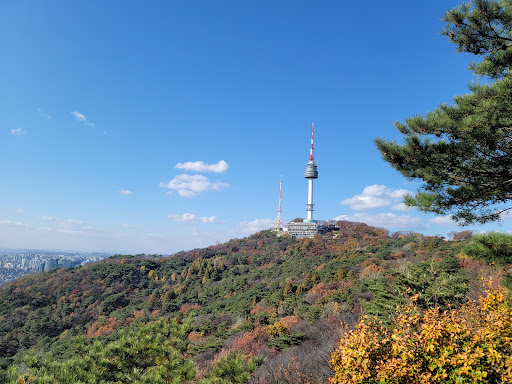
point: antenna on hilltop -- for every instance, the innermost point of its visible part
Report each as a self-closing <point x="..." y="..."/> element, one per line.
<point x="279" y="221"/>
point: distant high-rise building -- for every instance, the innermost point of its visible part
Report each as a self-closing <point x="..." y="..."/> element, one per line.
<point x="51" y="264"/>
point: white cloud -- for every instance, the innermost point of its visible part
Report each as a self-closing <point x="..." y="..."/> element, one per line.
<point x="68" y="225"/>
<point x="44" y="114"/>
<point x="199" y="166"/>
<point x="17" y="132"/>
<point x="20" y="210"/>
<point x="132" y="225"/>
<point x="401" y="207"/>
<point x="12" y="223"/>
<point x="192" y="185"/>
<point x="256" y="225"/>
<point x="154" y="236"/>
<point x="507" y="215"/>
<point x="191" y="218"/>
<point x="386" y="220"/>
<point x="374" y="196"/>
<point x="80" y="117"/>
<point x="443" y="220"/>
<point x="125" y="192"/>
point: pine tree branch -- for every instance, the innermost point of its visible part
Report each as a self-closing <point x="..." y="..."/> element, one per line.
<point x="481" y="34"/>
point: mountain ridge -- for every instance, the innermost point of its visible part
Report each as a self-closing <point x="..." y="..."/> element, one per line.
<point x="269" y="305"/>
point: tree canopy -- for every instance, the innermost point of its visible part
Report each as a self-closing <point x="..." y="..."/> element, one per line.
<point x="462" y="151"/>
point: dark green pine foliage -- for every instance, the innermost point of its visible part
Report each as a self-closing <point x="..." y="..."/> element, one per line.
<point x="150" y="354"/>
<point x="484" y="28"/>
<point x="232" y="369"/>
<point x="463" y="151"/>
<point x="438" y="283"/>
<point x="493" y="247"/>
<point x="383" y="300"/>
<point x="286" y="339"/>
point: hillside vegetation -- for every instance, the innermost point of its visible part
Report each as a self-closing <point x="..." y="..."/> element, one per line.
<point x="261" y="309"/>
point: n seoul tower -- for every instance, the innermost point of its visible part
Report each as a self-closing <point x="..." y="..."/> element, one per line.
<point x="310" y="174"/>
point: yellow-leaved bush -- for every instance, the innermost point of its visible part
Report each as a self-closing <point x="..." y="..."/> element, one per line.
<point x="470" y="344"/>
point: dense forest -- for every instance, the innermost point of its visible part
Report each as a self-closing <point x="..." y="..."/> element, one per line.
<point x="262" y="309"/>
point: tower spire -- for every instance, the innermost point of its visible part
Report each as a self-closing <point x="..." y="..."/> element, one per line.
<point x="311" y="156"/>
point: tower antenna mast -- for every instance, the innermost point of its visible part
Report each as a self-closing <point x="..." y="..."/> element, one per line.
<point x="279" y="221"/>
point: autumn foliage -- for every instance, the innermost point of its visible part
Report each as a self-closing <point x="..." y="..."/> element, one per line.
<point x="470" y="344"/>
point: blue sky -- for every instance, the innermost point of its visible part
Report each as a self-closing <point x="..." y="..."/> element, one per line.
<point x="130" y="126"/>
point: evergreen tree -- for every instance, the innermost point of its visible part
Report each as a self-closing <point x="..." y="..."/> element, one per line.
<point x="288" y="288"/>
<point x="493" y="247"/>
<point x="463" y="151"/>
<point x="483" y="28"/>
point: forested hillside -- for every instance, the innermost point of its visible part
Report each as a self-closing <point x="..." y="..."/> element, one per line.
<point x="262" y="308"/>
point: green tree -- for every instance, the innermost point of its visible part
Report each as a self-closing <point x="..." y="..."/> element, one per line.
<point x="493" y="247"/>
<point x="463" y="151"/>
<point x="152" y="354"/>
<point x="288" y="288"/>
<point x="234" y="368"/>
<point x="483" y="28"/>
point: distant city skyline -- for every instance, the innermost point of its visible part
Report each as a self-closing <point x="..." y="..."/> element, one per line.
<point x="17" y="263"/>
<point x="156" y="128"/>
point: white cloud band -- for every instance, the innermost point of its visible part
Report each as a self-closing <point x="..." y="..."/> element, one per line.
<point x="192" y="185"/>
<point x="443" y="220"/>
<point x="191" y="218"/>
<point x="81" y="118"/>
<point x="256" y="225"/>
<point x="199" y="166"/>
<point x="376" y="196"/>
<point x="386" y="220"/>
<point x="17" y="132"/>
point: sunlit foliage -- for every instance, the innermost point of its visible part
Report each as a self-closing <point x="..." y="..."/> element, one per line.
<point x="470" y="344"/>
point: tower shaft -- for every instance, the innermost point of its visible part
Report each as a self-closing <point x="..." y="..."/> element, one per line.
<point x="309" y="207"/>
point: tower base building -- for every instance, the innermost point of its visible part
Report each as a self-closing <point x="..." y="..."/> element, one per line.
<point x="306" y="229"/>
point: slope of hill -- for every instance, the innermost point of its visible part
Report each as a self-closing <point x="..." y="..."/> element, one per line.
<point x="262" y="308"/>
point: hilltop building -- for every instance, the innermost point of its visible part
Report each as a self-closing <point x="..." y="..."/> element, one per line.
<point x="305" y="229"/>
<point x="308" y="227"/>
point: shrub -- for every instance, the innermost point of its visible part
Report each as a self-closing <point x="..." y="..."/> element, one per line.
<point x="468" y="344"/>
